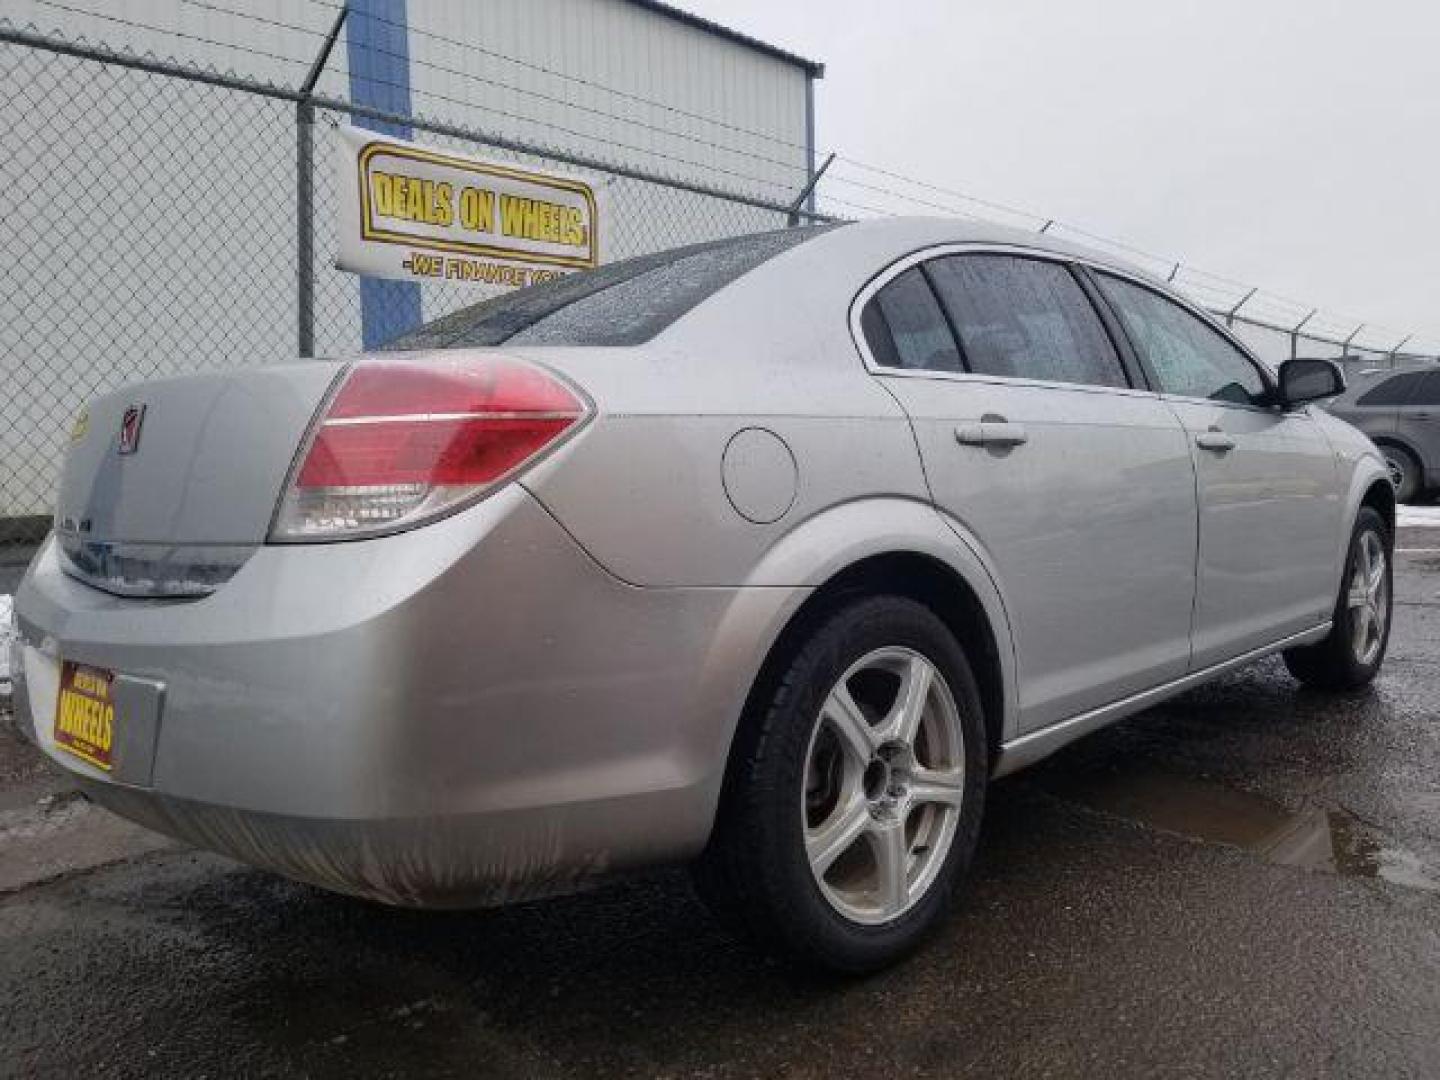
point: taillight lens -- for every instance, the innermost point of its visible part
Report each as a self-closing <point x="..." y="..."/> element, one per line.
<point x="405" y="441"/>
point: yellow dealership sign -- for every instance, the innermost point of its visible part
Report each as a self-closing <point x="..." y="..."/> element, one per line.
<point x="415" y="212"/>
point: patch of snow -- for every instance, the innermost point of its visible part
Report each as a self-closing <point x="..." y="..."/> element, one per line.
<point x="1417" y="516"/>
<point x="7" y="631"/>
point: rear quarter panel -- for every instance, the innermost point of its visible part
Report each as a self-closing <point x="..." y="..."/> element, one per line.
<point x="643" y="488"/>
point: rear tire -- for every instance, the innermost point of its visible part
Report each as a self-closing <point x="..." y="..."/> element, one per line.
<point x="1404" y="472"/>
<point x="839" y="843"/>
<point x="1349" y="658"/>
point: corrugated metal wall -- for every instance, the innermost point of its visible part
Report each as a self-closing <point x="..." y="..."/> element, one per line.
<point x="271" y="40"/>
<point x="754" y="140"/>
<point x="163" y="211"/>
<point x="610" y="78"/>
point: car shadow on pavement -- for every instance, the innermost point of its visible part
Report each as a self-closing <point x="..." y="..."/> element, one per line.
<point x="634" y="976"/>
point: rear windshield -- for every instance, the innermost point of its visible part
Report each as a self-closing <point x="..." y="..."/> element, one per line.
<point x="625" y="303"/>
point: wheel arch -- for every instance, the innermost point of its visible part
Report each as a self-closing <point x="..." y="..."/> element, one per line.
<point x="916" y="576"/>
<point x="1408" y="449"/>
<point x="1389" y="438"/>
<point x="1369" y="485"/>
<point x="871" y="547"/>
<point x="1380" y="497"/>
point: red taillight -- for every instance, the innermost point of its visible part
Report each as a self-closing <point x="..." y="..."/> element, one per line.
<point x="476" y="450"/>
<point x="405" y="440"/>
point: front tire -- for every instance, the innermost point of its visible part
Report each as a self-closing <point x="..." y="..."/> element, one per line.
<point x="1349" y="658"/>
<point x="853" y="801"/>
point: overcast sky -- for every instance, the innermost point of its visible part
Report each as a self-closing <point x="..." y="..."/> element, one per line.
<point x="1291" y="143"/>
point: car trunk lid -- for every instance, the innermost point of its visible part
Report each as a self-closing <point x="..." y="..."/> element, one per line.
<point x="194" y="461"/>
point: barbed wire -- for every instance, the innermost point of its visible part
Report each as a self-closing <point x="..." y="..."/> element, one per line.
<point x="199" y="38"/>
<point x="521" y="118"/>
<point x="1195" y="279"/>
<point x="1228" y="290"/>
<point x="799" y="168"/>
<point x="551" y="126"/>
<point x="503" y="57"/>
<point x="566" y="76"/>
<point x="989" y="204"/>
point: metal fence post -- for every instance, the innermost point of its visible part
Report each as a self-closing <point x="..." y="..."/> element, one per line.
<point x="810" y="134"/>
<point x="793" y="218"/>
<point x="1295" y="333"/>
<point x="1398" y="346"/>
<point x="305" y="194"/>
<point x="304" y="228"/>
<point x="1230" y="315"/>
<point x="1345" y="345"/>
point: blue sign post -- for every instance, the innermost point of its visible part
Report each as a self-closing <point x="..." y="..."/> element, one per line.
<point x="377" y="44"/>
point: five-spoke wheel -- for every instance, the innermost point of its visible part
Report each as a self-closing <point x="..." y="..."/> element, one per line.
<point x="1369" y="598"/>
<point x="884" y="780"/>
<point x="1350" y="656"/>
<point x="855" y="792"/>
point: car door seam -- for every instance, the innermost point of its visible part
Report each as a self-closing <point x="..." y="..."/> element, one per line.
<point x="1199" y="522"/>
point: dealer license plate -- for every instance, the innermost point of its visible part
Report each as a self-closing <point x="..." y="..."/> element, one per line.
<point x="85" y="713"/>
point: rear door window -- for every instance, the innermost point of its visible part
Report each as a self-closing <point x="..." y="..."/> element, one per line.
<point x="1429" y="392"/>
<point x="1189" y="357"/>
<point x="1389" y="393"/>
<point x="1025" y="319"/>
<point x="625" y="303"/>
<point x="905" y="328"/>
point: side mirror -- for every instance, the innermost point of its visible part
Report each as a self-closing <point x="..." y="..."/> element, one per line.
<point x="1309" y="380"/>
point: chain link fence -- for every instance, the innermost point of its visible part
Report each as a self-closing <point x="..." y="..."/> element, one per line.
<point x="154" y="226"/>
<point x="642" y="215"/>
<point x="135" y="248"/>
<point x="120" y="247"/>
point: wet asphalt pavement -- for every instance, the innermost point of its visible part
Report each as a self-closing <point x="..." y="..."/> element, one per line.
<point x="1241" y="882"/>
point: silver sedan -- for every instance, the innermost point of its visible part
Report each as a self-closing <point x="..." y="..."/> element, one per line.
<point x="764" y="555"/>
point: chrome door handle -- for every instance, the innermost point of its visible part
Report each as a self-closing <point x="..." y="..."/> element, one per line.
<point x="991" y="433"/>
<point x="1216" y="440"/>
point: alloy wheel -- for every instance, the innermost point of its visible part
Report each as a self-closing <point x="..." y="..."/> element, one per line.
<point x="1368" y="599"/>
<point x="884" y="785"/>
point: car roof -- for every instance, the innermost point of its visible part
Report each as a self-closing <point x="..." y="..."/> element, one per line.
<point x="913" y="233"/>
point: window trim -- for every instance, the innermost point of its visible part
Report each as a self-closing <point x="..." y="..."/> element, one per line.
<point x="928" y="276"/>
<point x="1268" y="379"/>
<point x="1130" y="358"/>
<point x="924" y="277"/>
<point x="1148" y="388"/>
<point x="925" y="255"/>
<point x="1126" y="373"/>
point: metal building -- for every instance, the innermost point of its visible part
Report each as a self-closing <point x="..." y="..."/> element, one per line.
<point x="154" y="217"/>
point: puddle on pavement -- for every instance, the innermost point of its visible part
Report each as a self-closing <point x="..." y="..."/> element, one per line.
<point x="1315" y="838"/>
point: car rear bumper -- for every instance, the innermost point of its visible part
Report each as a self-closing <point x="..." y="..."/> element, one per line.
<point x="463" y="714"/>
